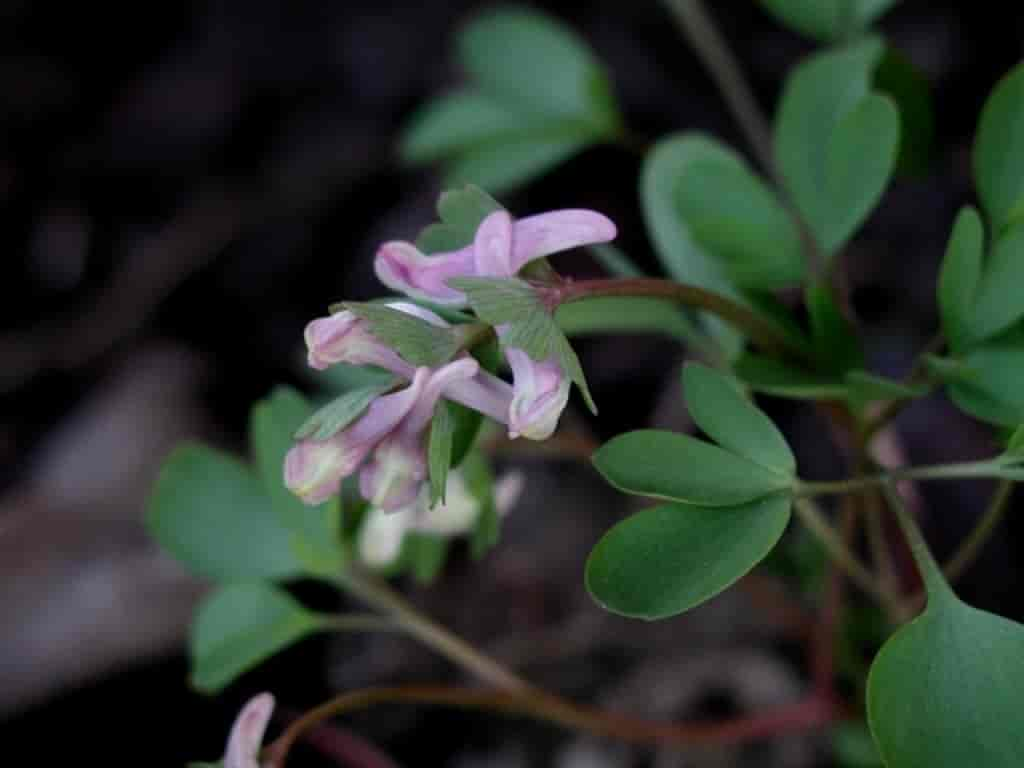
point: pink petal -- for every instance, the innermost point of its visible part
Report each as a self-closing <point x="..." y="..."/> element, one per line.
<point x="246" y="738"/>
<point x="547" y="233"/>
<point x="540" y="394"/>
<point x="492" y="246"/>
<point x="401" y="267"/>
<point x="344" y="338"/>
<point x="314" y="469"/>
<point x="440" y="380"/>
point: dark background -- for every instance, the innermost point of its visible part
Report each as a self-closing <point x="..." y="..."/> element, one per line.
<point x="185" y="185"/>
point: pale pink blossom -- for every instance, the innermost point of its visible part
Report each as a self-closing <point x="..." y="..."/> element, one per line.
<point x="393" y="430"/>
<point x="402" y="267"/>
<point x="246" y="738"/>
<point x="345" y="338"/>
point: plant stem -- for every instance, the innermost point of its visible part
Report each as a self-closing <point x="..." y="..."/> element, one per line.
<point x="379" y="595"/>
<point x="809" y="713"/>
<point x="918" y="373"/>
<point x="932" y="472"/>
<point x="934" y="582"/>
<point x="702" y="34"/>
<point x="843" y="556"/>
<point x="760" y="330"/>
<point x="360" y="622"/>
<point x="971" y="547"/>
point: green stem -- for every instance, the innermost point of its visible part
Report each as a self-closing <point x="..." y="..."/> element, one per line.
<point x="932" y="472"/>
<point x="934" y="582"/>
<point x="843" y="556"/>
<point x="359" y="622"/>
<point x="380" y="596"/>
<point x="760" y="330"/>
<point x="971" y="547"/>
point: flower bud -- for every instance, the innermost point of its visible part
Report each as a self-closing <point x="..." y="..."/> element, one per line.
<point x="540" y="392"/>
<point x="246" y="738"/>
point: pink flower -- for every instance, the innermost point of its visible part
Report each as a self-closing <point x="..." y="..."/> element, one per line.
<point x="501" y="248"/>
<point x="401" y="266"/>
<point x="345" y="338"/>
<point x="246" y="738"/>
<point x="392" y="429"/>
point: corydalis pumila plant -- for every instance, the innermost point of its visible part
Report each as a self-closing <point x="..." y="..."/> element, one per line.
<point x="393" y="426"/>
<point x="943" y="686"/>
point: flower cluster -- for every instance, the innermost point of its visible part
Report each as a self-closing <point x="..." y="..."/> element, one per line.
<point x="388" y="441"/>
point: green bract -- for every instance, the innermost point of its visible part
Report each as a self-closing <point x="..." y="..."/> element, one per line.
<point x="536" y="96"/>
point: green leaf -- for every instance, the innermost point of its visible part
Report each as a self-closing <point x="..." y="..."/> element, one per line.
<point x="906" y="85"/>
<point x="439" y="451"/>
<point x="666" y="560"/>
<point x="313" y="531"/>
<point x="735" y="218"/>
<point x="999" y="150"/>
<point x="214" y="515"/>
<point x="731" y="420"/>
<point x="538" y="65"/>
<point x="514" y="162"/>
<point x="773" y="377"/>
<point x="828" y="20"/>
<point x="998" y="302"/>
<point x="960" y="276"/>
<point x="460" y="212"/>
<point x="836" y="343"/>
<point x="480" y="482"/>
<point x="538" y="95"/>
<point x="944" y="691"/>
<point x="416" y="340"/>
<point x="341" y="411"/>
<point x="1015" y="446"/>
<point x="993" y="390"/>
<point x="238" y="627"/>
<point x="836" y="141"/>
<point x="680" y="468"/>
<point x="624" y="314"/>
<point x="680" y="255"/>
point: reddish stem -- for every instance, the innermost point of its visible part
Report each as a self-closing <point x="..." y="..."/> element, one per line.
<point x="810" y="712"/>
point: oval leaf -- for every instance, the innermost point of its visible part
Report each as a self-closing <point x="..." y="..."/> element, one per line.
<point x="666" y="465"/>
<point x="944" y="691"/>
<point x="993" y="387"/>
<point x="668" y="559"/>
<point x="239" y="626"/>
<point x="738" y="220"/>
<point x="999" y="150"/>
<point x="835" y="142"/>
<point x="960" y="275"/>
<point x="998" y="302"/>
<point x="313" y="532"/>
<point x="731" y="420"/>
<point x="212" y="513"/>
